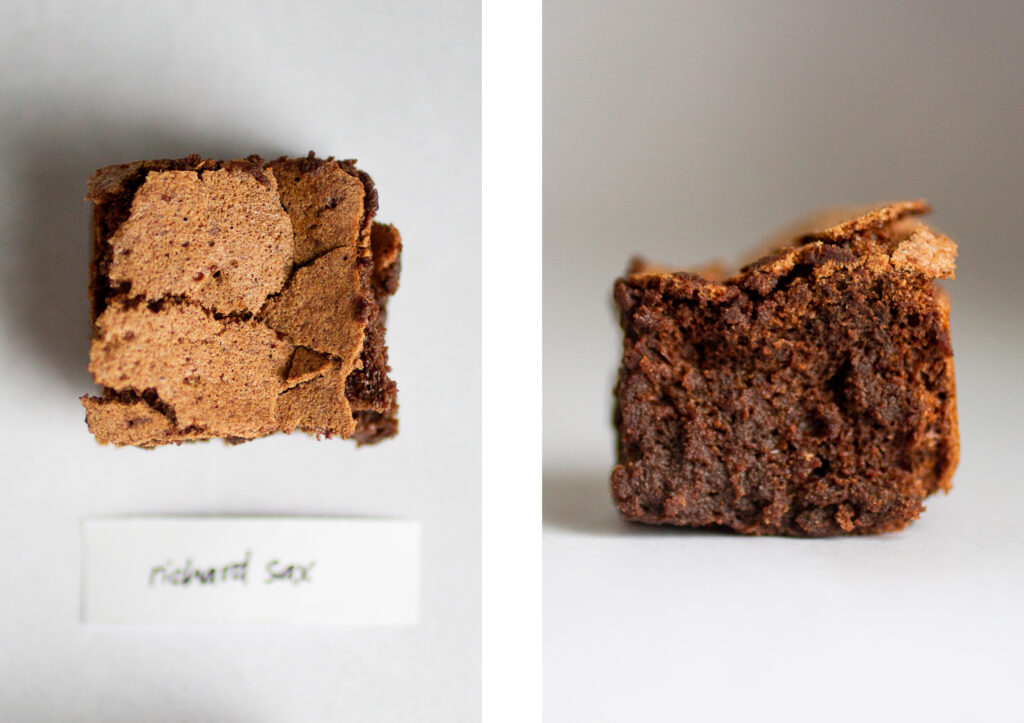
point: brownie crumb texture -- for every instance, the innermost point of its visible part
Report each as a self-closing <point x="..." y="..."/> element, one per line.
<point x="809" y="394"/>
<point x="235" y="299"/>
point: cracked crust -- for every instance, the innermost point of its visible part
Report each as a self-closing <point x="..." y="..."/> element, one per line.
<point x="318" y="406"/>
<point x="325" y="202"/>
<point x="224" y="375"/>
<point x="220" y="238"/>
<point x="307" y="364"/>
<point x="134" y="422"/>
<point x="811" y="393"/>
<point x="235" y="299"/>
<point x="308" y="308"/>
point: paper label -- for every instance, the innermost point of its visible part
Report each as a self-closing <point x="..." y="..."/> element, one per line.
<point x="348" y="571"/>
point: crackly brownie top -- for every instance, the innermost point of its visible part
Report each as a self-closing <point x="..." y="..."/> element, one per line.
<point x="219" y="238"/>
<point x="883" y="237"/>
<point x="325" y="202"/>
<point x="222" y="375"/>
<point x="229" y="298"/>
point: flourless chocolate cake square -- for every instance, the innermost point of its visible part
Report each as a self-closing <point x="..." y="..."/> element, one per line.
<point x="234" y="299"/>
<point x="810" y="394"/>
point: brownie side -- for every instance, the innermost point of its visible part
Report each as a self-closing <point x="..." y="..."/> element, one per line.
<point x="372" y="394"/>
<point x="811" y="394"/>
<point x="373" y="427"/>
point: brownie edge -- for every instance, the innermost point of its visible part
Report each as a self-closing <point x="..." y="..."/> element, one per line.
<point x="812" y="393"/>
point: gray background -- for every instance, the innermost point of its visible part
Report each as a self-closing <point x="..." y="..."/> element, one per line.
<point x="394" y="84"/>
<point x="688" y="132"/>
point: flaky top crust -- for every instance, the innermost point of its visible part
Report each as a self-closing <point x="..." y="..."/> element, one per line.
<point x="885" y="236"/>
<point x="237" y="298"/>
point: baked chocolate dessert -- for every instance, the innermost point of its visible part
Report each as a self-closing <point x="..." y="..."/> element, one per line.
<point x="810" y="394"/>
<point x="235" y="299"/>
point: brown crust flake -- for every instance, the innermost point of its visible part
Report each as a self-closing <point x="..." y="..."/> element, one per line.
<point x="307" y="364"/>
<point x="309" y="307"/>
<point x="220" y="238"/>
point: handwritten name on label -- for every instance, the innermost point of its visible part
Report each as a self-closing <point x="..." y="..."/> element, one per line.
<point x="250" y="569"/>
<point x="232" y="572"/>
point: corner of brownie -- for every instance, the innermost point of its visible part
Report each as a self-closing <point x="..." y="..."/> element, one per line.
<point x="234" y="299"/>
<point x="810" y="394"/>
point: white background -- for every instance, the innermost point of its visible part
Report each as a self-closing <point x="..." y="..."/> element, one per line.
<point x="394" y="84"/>
<point x="512" y="360"/>
<point x="689" y="131"/>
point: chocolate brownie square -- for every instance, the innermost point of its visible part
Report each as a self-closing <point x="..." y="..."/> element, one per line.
<point x="810" y="394"/>
<point x="235" y="299"/>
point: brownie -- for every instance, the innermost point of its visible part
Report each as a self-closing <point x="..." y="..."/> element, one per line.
<point x="235" y="299"/>
<point x="809" y="394"/>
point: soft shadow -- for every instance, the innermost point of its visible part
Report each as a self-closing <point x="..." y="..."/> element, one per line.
<point x="579" y="501"/>
<point x="192" y="706"/>
<point x="50" y="152"/>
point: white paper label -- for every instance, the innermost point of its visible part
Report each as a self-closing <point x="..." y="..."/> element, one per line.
<point x="250" y="570"/>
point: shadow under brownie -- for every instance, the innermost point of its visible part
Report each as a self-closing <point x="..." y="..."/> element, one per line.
<point x="236" y="299"/>
<point x="810" y="394"/>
